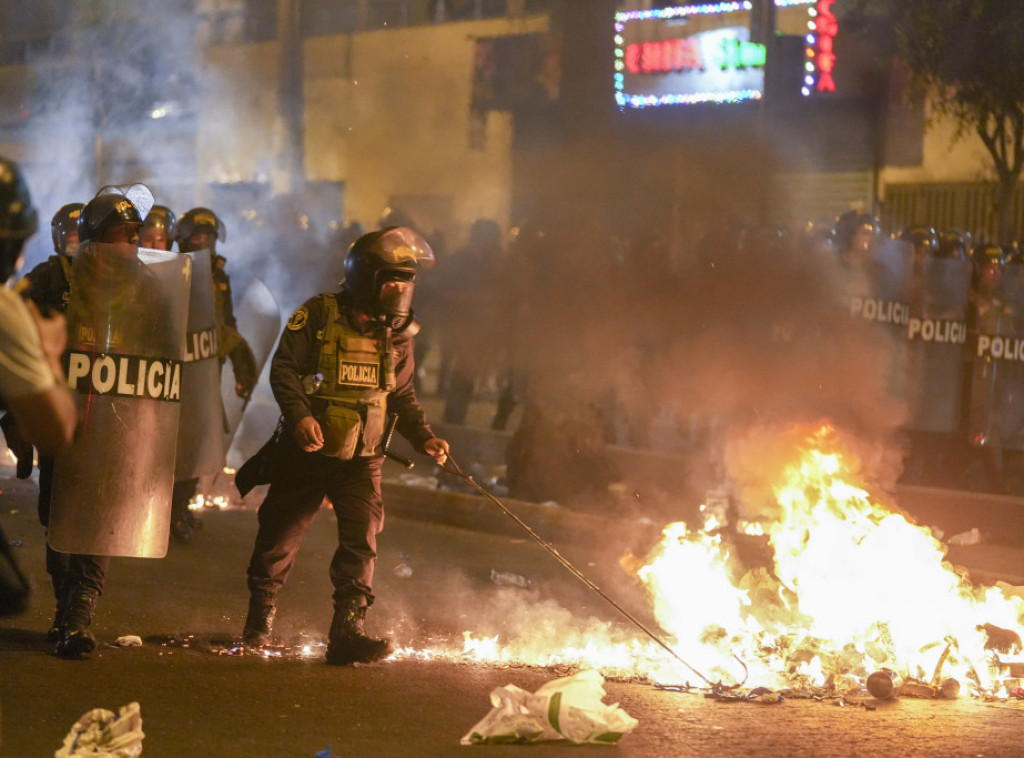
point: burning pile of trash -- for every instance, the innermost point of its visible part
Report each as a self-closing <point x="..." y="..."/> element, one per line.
<point x="808" y="586"/>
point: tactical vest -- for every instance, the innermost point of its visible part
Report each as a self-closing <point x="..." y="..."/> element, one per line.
<point x="358" y="374"/>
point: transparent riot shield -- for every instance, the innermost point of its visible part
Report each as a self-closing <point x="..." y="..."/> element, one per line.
<point x="879" y="295"/>
<point x="200" y="440"/>
<point x="259" y="322"/>
<point x="126" y="332"/>
<point x="996" y="394"/>
<point x="935" y="338"/>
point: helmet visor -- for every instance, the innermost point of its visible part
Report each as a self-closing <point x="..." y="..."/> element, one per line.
<point x="403" y="247"/>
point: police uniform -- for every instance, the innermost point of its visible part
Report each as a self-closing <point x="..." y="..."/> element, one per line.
<point x="365" y="377"/>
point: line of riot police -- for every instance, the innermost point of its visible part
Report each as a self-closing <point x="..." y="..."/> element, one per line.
<point x="956" y="352"/>
<point x="148" y="331"/>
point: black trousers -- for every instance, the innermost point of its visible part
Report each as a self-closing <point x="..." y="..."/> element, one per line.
<point x="181" y="495"/>
<point x="299" y="484"/>
<point x="69" y="572"/>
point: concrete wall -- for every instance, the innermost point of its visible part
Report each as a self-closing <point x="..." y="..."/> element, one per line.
<point x="946" y="158"/>
<point x="387" y="113"/>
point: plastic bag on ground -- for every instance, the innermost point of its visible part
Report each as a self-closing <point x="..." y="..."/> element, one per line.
<point x="570" y="708"/>
<point x="104" y="734"/>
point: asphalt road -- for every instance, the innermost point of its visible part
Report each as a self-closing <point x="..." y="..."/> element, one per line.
<point x="198" y="699"/>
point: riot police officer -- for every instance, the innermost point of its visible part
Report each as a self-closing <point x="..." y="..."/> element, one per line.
<point x="78" y="580"/>
<point x="53" y="276"/>
<point x="157" y="232"/>
<point x="855" y="235"/>
<point x="201" y="229"/>
<point x="356" y="346"/>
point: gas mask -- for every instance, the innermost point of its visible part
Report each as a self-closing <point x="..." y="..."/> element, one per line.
<point x="394" y="297"/>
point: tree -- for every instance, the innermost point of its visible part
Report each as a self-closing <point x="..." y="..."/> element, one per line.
<point x="966" y="55"/>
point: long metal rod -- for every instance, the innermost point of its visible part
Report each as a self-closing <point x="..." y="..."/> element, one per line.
<point x="455" y="470"/>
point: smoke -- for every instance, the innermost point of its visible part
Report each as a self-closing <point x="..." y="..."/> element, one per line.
<point x="612" y="339"/>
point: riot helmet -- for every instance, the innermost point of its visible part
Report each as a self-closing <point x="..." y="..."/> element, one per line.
<point x="988" y="260"/>
<point x="954" y="244"/>
<point x="855" y="232"/>
<point x="114" y="206"/>
<point x="923" y="238"/>
<point x="199" y="229"/>
<point x="18" y="219"/>
<point x="380" y="272"/>
<point x="64" y="228"/>
<point x="157" y="232"/>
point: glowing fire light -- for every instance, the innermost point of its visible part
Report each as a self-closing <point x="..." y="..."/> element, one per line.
<point x="846" y="587"/>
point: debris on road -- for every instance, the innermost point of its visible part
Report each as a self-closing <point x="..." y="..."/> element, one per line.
<point x="570" y="708"/>
<point x="100" y="733"/>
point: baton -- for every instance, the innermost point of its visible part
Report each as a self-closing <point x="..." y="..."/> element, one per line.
<point x="389" y="432"/>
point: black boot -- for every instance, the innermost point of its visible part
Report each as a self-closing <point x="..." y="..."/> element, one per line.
<point x="347" y="642"/>
<point x="60" y="616"/>
<point x="184" y="525"/>
<point x="76" y="639"/>
<point x="260" y="619"/>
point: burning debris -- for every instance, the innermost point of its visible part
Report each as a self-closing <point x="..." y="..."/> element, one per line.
<point x="798" y="584"/>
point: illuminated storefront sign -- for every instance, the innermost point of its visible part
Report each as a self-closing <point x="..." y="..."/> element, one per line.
<point x="687" y="54"/>
<point x="822" y="29"/>
<point x="698" y="53"/>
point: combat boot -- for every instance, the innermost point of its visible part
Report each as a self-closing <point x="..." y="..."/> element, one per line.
<point x="60" y="615"/>
<point x="76" y="640"/>
<point x="259" y="620"/>
<point x="347" y="643"/>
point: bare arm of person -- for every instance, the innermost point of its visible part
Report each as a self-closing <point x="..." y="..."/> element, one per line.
<point x="47" y="418"/>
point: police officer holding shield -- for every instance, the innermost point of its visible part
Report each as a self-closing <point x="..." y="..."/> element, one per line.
<point x="343" y="364"/>
<point x="197" y="230"/>
<point x="78" y="580"/>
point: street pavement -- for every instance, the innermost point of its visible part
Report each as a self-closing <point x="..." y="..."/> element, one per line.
<point x="434" y="581"/>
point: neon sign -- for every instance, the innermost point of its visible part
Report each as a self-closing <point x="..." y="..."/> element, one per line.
<point x="821" y="59"/>
<point x="685" y="54"/>
<point x="655" y="65"/>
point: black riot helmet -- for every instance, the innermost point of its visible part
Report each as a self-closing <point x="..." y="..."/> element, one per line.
<point x="988" y="252"/>
<point x="849" y="224"/>
<point x="160" y="222"/>
<point x="64" y="223"/>
<point x="923" y="238"/>
<point x="199" y="221"/>
<point x="113" y="206"/>
<point x="954" y="244"/>
<point x="380" y="272"/>
<point x="18" y="219"/>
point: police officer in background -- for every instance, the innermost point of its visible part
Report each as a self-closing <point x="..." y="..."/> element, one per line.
<point x="344" y="362"/>
<point x="157" y="232"/>
<point x="200" y="229"/>
<point x="53" y="276"/>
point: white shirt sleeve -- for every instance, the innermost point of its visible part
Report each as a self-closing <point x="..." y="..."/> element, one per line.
<point x="23" y="369"/>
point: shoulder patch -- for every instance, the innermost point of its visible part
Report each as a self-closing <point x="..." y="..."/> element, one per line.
<point x="299" y="318"/>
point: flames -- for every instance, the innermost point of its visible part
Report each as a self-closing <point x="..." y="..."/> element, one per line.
<point x="810" y="584"/>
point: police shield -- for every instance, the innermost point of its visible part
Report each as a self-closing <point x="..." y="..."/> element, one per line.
<point x="995" y="400"/>
<point x="126" y="331"/>
<point x="935" y="337"/>
<point x="879" y="295"/>
<point x="200" y="439"/>
<point x="259" y="322"/>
